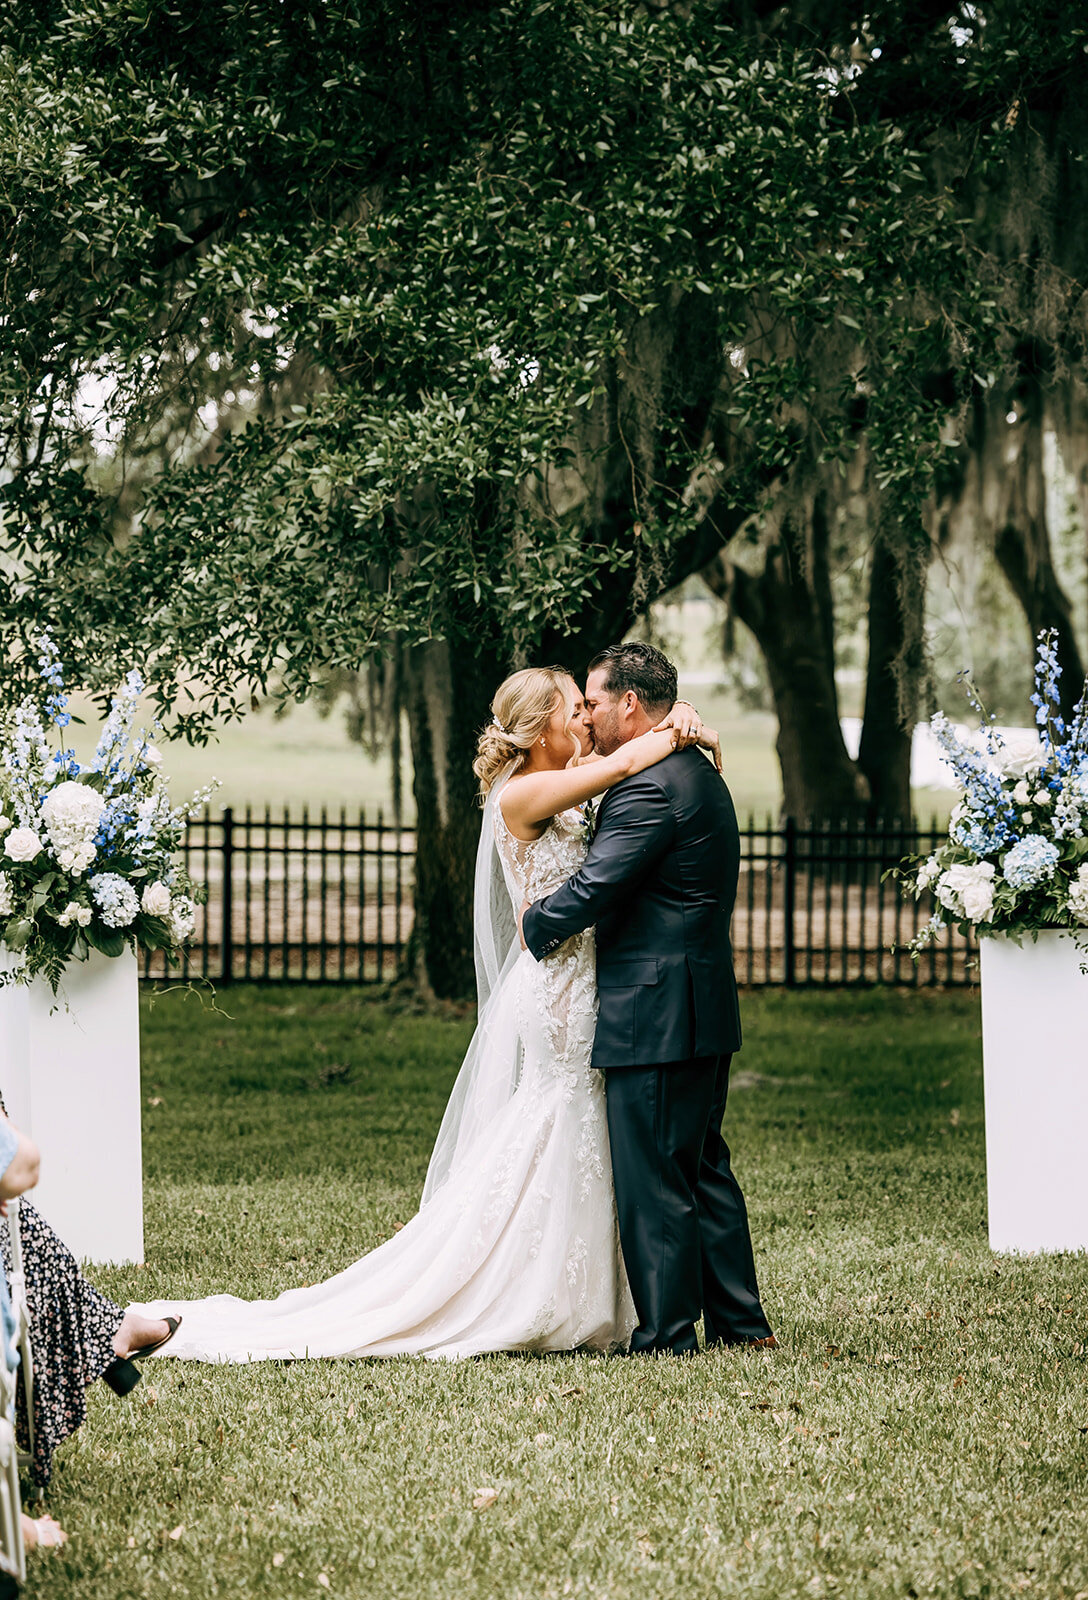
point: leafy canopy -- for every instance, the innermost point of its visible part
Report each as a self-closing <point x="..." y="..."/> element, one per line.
<point x="336" y="322"/>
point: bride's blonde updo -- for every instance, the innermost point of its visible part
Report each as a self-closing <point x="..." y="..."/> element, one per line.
<point x="521" y="710"/>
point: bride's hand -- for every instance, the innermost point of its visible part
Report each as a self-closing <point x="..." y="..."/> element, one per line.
<point x="710" y="741"/>
<point x="687" y="722"/>
<point x="690" y="730"/>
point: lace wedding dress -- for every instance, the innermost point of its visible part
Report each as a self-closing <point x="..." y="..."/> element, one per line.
<point x="515" y="1245"/>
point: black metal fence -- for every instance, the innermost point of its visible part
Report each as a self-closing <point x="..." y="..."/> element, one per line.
<point x="329" y="900"/>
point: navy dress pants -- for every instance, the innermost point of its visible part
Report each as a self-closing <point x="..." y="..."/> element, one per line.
<point x="683" y="1222"/>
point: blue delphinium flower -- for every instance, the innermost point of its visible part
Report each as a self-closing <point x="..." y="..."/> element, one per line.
<point x="1045" y="699"/>
<point x="1031" y="862"/>
<point x="116" y="730"/>
<point x="52" y="674"/>
<point x="989" y="806"/>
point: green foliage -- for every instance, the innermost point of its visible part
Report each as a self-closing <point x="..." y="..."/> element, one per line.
<point x="488" y="303"/>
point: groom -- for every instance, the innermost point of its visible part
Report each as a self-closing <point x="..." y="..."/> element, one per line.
<point x="659" y="883"/>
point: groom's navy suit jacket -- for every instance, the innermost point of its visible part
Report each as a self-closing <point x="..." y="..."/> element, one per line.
<point x="659" y="883"/>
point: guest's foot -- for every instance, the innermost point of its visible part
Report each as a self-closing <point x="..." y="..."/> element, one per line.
<point x="136" y="1333"/>
<point x="42" y="1533"/>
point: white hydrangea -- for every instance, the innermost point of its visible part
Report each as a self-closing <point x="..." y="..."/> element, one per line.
<point x="155" y="900"/>
<point x="182" y="918"/>
<point x="7" y="898"/>
<point x="115" y="898"/>
<point x="1078" y="895"/>
<point x="22" y="844"/>
<point x="72" y="814"/>
<point x="74" y="912"/>
<point x="968" y="891"/>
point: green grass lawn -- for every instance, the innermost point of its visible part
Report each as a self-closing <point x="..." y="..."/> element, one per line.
<point x="924" y="1429"/>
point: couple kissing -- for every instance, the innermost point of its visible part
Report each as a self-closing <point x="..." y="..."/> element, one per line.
<point x="580" y="1193"/>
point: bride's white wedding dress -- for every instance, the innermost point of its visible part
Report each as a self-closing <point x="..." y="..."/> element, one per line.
<point x="515" y="1245"/>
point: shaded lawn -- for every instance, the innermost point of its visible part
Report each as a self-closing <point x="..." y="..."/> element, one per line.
<point x="923" y="1431"/>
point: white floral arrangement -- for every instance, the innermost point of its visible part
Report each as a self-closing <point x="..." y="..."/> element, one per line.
<point x="88" y="854"/>
<point x="1016" y="860"/>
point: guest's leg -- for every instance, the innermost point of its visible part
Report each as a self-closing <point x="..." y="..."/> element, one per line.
<point x="72" y="1330"/>
<point x="731" y="1305"/>
<point x="657" y="1119"/>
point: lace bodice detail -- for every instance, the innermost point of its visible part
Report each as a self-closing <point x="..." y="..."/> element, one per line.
<point x="535" y="869"/>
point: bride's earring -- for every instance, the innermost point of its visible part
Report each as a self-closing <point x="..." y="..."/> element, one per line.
<point x="543" y="741"/>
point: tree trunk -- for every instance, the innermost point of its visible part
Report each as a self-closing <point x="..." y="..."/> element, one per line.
<point x="897" y="589"/>
<point x="448" y="696"/>
<point x="788" y="608"/>
<point x="1022" y="538"/>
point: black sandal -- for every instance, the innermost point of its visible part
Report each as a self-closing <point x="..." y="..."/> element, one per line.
<point x="123" y="1374"/>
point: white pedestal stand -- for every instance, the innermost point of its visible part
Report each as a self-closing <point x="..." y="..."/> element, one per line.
<point x="70" y="1078"/>
<point x="1035" y="1054"/>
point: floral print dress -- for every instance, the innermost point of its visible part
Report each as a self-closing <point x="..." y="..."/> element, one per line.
<point x="72" y="1328"/>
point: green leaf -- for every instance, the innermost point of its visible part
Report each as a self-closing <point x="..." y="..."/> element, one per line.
<point x="17" y="933"/>
<point x="110" y="941"/>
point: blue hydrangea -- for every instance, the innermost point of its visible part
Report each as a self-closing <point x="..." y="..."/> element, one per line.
<point x="1031" y="862"/>
<point x="115" y="898"/>
<point x="982" y="838"/>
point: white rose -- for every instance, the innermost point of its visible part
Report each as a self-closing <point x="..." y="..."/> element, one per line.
<point x="978" y="901"/>
<point x="22" y="844"/>
<point x="7" y="899"/>
<point x="1043" y="797"/>
<point x="74" y="912"/>
<point x="5" y="824"/>
<point x="155" y="900"/>
<point x="1019" y="754"/>
<point x="150" y="757"/>
<point x="928" y="872"/>
<point x="1022" y="794"/>
<point x="967" y="891"/>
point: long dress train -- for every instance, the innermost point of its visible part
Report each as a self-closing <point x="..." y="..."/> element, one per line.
<point x="515" y="1245"/>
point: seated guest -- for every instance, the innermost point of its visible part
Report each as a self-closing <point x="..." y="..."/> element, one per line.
<point x="76" y="1335"/>
<point x="19" y="1172"/>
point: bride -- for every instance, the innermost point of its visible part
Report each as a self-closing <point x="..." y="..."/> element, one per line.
<point x="515" y="1244"/>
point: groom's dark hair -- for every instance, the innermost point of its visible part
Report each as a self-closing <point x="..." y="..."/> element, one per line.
<point x="641" y="668"/>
